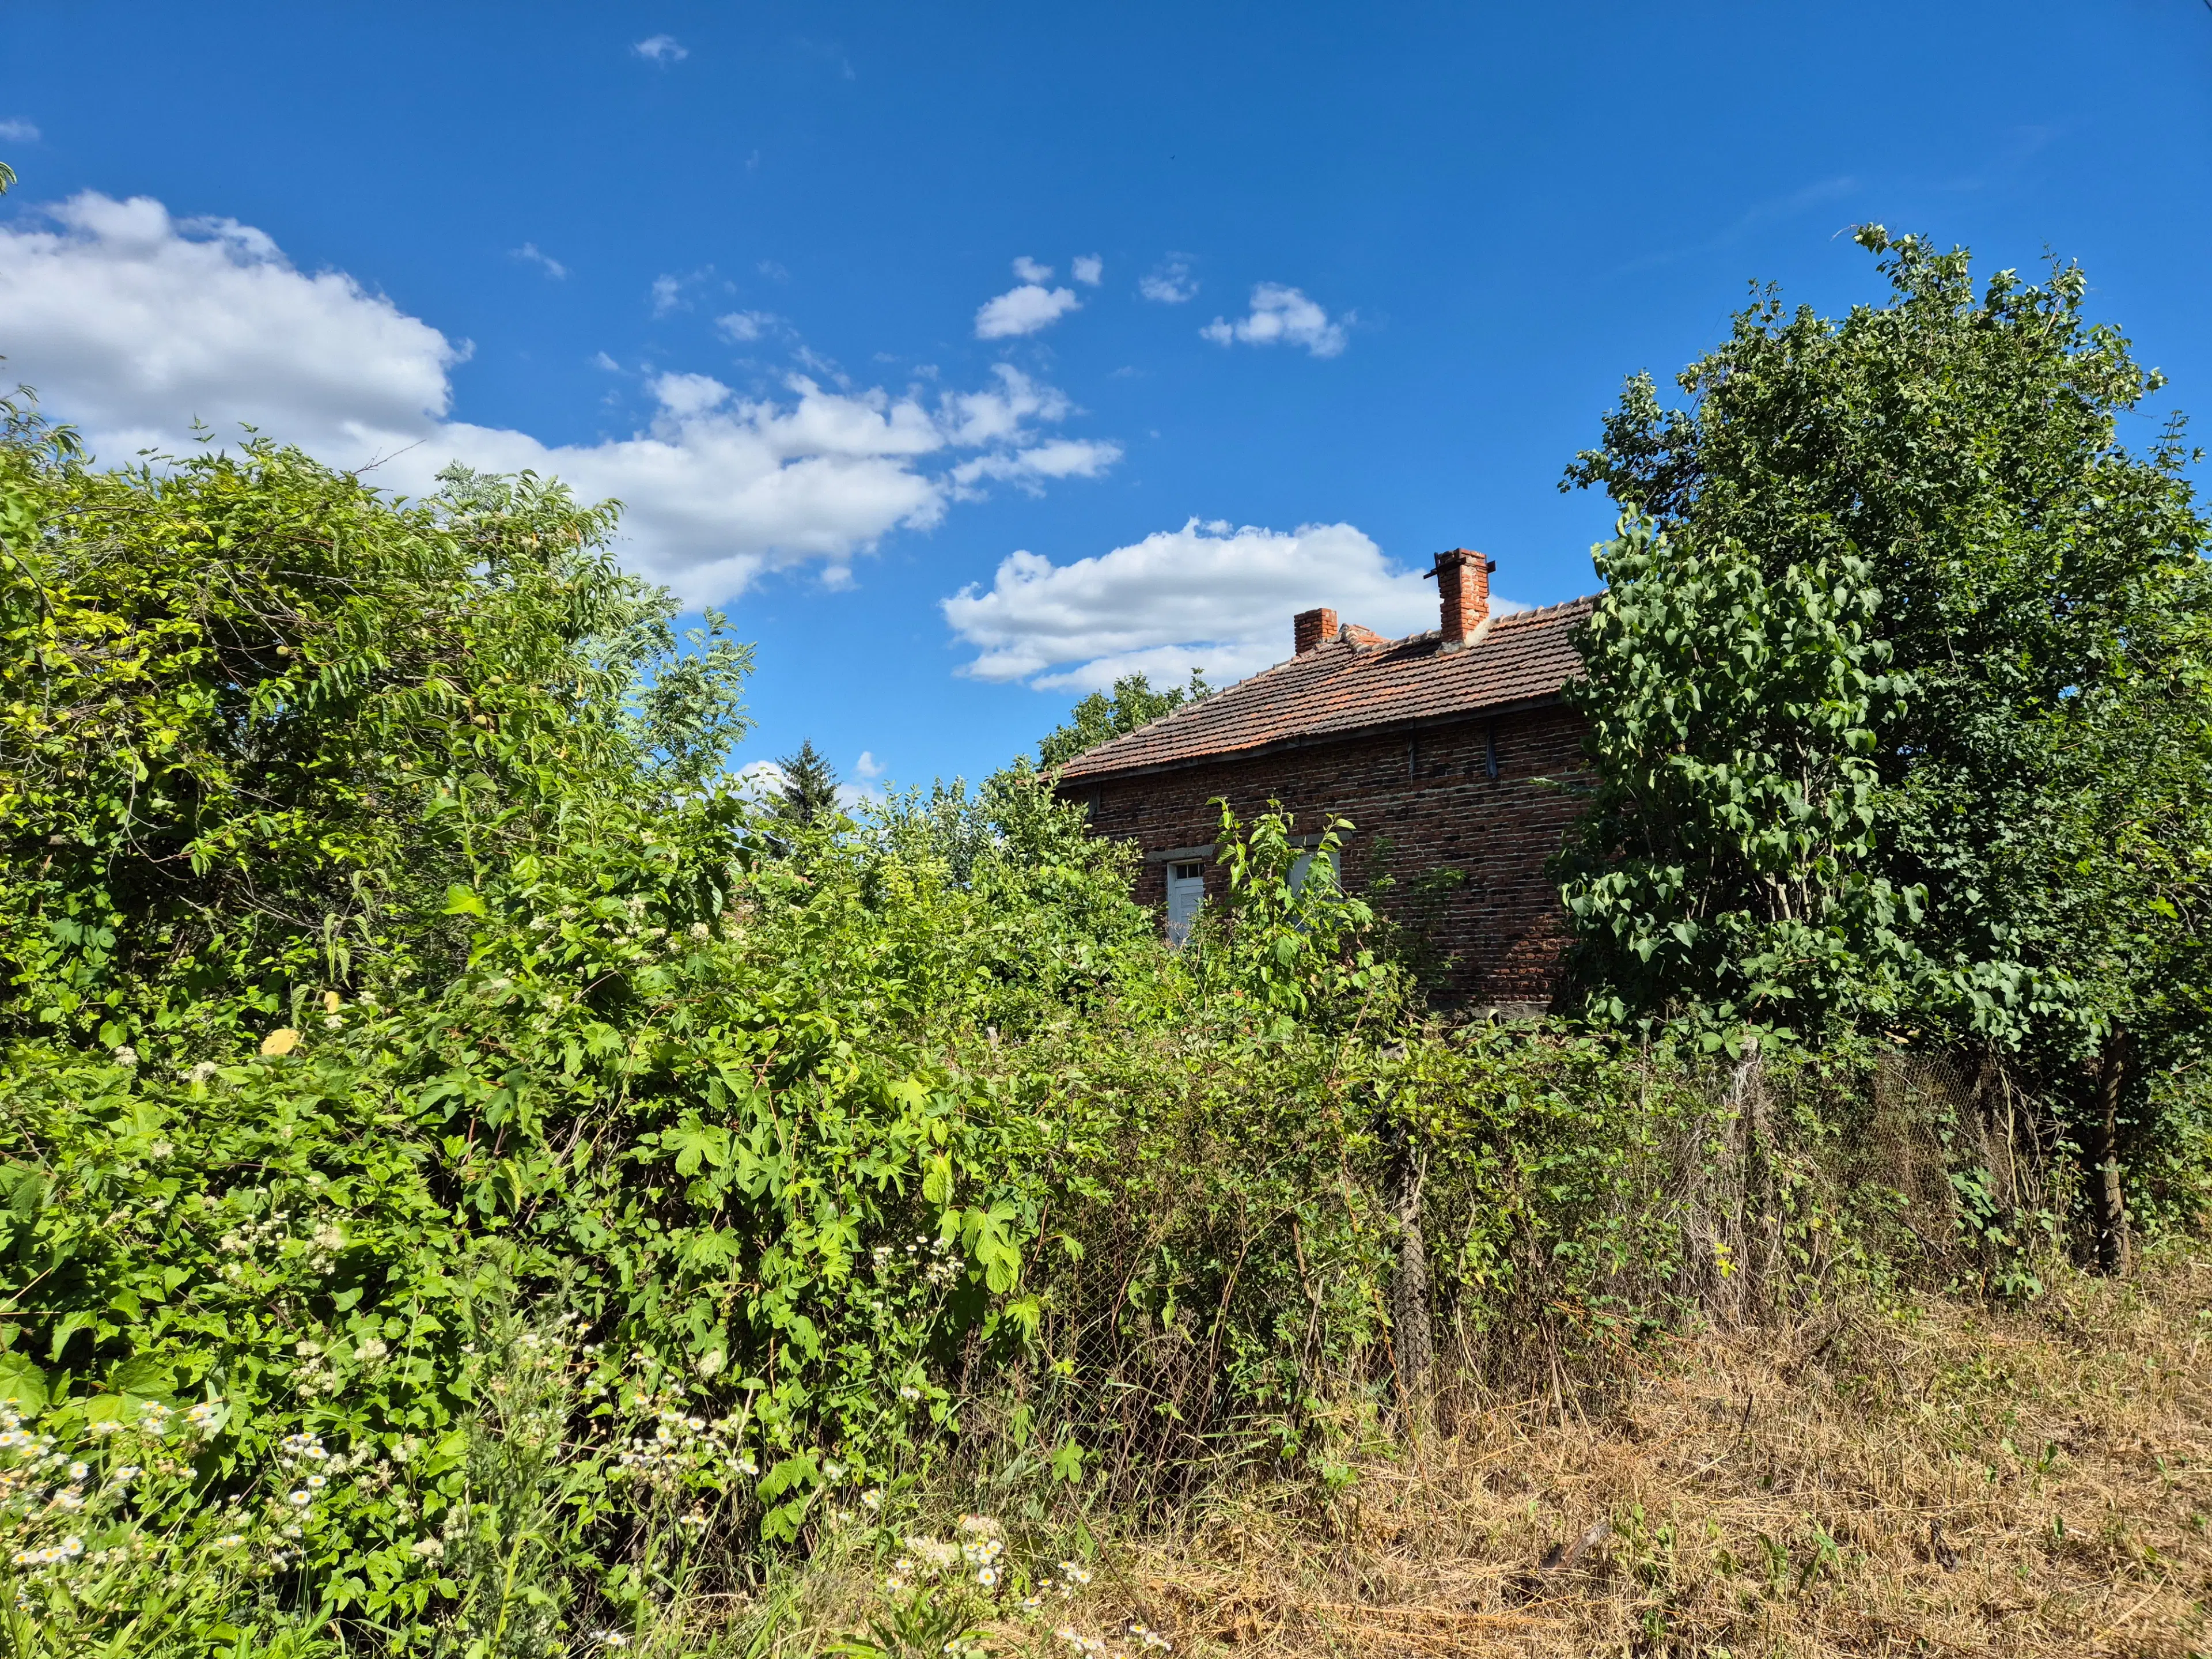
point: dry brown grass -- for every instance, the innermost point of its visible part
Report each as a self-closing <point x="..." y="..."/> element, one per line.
<point x="1941" y="1478"/>
<point x="1945" y="1479"/>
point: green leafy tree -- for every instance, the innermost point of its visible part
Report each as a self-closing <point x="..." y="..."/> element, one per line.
<point x="1101" y="717"/>
<point x="1723" y="867"/>
<point x="808" y="792"/>
<point x="2041" y="590"/>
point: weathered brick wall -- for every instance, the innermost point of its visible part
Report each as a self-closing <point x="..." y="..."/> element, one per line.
<point x="1420" y="803"/>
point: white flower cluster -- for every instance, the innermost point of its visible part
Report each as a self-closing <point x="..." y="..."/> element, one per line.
<point x="939" y="1263"/>
<point x="52" y="1499"/>
<point x="247" y="1241"/>
<point x="982" y="1549"/>
<point x="309" y="1465"/>
<point x="1147" y="1640"/>
<point x="1073" y="1575"/>
<point x="680" y="1443"/>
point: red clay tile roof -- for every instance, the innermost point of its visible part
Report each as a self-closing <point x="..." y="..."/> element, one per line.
<point x="1350" y="685"/>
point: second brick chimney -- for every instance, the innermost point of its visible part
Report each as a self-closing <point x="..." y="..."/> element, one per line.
<point x="1311" y="628"/>
<point x="1462" y="579"/>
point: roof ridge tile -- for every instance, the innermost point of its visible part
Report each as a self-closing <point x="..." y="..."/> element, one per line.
<point x="1523" y="656"/>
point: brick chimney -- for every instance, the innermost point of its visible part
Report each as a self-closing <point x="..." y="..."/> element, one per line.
<point x="1462" y="579"/>
<point x="1312" y="628"/>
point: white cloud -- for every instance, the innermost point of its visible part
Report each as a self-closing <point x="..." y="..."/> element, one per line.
<point x="600" y="360"/>
<point x="867" y="767"/>
<point x="996" y="414"/>
<point x="1058" y="458"/>
<point x="743" y="327"/>
<point x="1207" y="595"/>
<point x="553" y="268"/>
<point x="1170" y="284"/>
<point x="667" y="294"/>
<point x="1030" y="272"/>
<point x="133" y="324"/>
<point x="662" y="49"/>
<point x="1280" y="315"/>
<point x="1023" y="310"/>
<point x="1087" y="269"/>
<point x="19" y="131"/>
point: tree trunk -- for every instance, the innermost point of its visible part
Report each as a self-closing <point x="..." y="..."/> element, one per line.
<point x="2113" y="1253"/>
<point x="1413" y="1340"/>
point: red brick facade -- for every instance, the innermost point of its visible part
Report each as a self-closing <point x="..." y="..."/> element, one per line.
<point x="1422" y="802"/>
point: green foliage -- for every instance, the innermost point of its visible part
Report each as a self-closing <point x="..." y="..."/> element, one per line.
<point x="1722" y="867"/>
<point x="1100" y="717"/>
<point x="256" y="723"/>
<point x="424" y="1065"/>
<point x="2026" y="828"/>
<point x="1289" y="938"/>
<point x="809" y="790"/>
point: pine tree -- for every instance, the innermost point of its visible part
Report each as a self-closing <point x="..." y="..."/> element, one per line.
<point x="810" y="785"/>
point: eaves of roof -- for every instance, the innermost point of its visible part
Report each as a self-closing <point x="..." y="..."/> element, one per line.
<point x="1349" y="688"/>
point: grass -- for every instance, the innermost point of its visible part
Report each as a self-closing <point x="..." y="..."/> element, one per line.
<point x="1934" y="1477"/>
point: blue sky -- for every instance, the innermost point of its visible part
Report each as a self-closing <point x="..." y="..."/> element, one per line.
<point x="736" y="263"/>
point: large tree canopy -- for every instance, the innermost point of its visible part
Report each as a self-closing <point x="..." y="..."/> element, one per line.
<point x="2006" y="788"/>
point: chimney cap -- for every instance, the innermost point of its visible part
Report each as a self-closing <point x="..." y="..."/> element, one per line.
<point x="1457" y="556"/>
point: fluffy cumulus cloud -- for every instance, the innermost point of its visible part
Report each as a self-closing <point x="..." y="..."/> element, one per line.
<point x="1280" y="316"/>
<point x="1023" y="310"/>
<point x="1088" y="269"/>
<point x="1026" y="309"/>
<point x="1209" y="596"/>
<point x="663" y="49"/>
<point x="133" y="324"/>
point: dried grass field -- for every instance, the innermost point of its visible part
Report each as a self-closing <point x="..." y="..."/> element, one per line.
<point x="1936" y="1476"/>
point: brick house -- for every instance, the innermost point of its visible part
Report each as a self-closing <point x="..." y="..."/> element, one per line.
<point x="1451" y="752"/>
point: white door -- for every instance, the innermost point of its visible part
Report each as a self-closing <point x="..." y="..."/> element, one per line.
<point x="1305" y="863"/>
<point x="1186" y="892"/>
